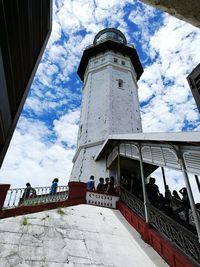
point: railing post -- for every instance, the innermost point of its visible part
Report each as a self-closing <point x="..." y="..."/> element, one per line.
<point x="77" y="192"/>
<point x="3" y="192"/>
<point x="118" y="166"/>
<point x="163" y="175"/>
<point x="143" y="185"/>
<point x="190" y="195"/>
<point x="197" y="181"/>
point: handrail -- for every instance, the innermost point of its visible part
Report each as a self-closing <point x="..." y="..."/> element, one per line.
<point x="15" y="196"/>
<point x="133" y="202"/>
<point x="183" y="238"/>
<point x="175" y="232"/>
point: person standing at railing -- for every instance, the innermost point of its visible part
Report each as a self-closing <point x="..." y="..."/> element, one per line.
<point x="111" y="186"/>
<point x="54" y="186"/>
<point x="185" y="204"/>
<point x="100" y="186"/>
<point x="28" y="192"/>
<point x="91" y="184"/>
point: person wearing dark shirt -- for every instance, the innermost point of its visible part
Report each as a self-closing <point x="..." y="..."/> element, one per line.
<point x="175" y="195"/>
<point x="153" y="192"/>
<point x="28" y="192"/>
<point x="106" y="184"/>
<point x="90" y="184"/>
<point x="100" y="186"/>
<point x="185" y="204"/>
<point x="111" y="186"/>
<point x="168" y="196"/>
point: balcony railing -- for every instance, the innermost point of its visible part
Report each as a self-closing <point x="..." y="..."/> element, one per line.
<point x="107" y="39"/>
<point x="42" y="195"/>
<point x="133" y="203"/>
<point x="183" y="238"/>
<point x="100" y="199"/>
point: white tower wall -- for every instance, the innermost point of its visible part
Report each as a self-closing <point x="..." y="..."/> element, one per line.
<point x="110" y="105"/>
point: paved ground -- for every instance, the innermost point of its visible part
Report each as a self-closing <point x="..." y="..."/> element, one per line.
<point x="75" y="236"/>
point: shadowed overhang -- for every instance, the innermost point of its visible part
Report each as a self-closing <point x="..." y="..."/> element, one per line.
<point x="25" y="28"/>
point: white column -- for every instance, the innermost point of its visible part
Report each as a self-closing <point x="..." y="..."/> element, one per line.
<point x="143" y="186"/>
<point x="190" y="195"/>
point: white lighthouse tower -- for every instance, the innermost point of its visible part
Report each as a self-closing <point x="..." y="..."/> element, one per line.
<point x="109" y="69"/>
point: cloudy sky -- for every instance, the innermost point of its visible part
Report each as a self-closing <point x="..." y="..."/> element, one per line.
<point x="44" y="142"/>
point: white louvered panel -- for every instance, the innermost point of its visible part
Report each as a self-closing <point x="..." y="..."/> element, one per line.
<point x="170" y="158"/>
<point x="112" y="156"/>
<point x="128" y="150"/>
<point x="134" y="152"/>
<point x="122" y="149"/>
<point x="157" y="155"/>
<point x="146" y="153"/>
<point x="192" y="161"/>
<point x="114" y="153"/>
<point x="109" y="160"/>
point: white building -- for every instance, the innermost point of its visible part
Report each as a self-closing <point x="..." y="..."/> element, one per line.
<point x="109" y="70"/>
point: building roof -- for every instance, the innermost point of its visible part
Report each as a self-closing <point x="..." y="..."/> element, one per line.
<point x="109" y="44"/>
<point x="25" y="27"/>
<point x="81" y="235"/>
<point x="175" y="138"/>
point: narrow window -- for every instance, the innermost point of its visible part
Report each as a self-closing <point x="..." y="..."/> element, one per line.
<point x="96" y="62"/>
<point x="120" y="83"/>
<point x="123" y="62"/>
<point x="115" y="60"/>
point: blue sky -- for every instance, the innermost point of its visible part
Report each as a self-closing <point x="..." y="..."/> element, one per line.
<point x="45" y="139"/>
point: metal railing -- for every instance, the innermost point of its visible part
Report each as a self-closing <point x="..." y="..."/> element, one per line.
<point x="183" y="238"/>
<point x="175" y="232"/>
<point x="107" y="39"/>
<point x="15" y="197"/>
<point x="133" y="202"/>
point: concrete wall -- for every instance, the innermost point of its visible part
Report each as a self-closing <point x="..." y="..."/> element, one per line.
<point x="110" y="105"/>
<point x="181" y="9"/>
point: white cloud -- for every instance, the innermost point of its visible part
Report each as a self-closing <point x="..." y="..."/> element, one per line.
<point x="34" y="157"/>
<point x="39" y="153"/>
<point x="164" y="82"/>
<point x="66" y="128"/>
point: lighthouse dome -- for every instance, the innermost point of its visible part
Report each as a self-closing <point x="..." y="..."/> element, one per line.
<point x="110" y="34"/>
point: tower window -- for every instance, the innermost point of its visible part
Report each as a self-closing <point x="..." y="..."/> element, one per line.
<point x="123" y="62"/>
<point x="115" y="60"/>
<point x="120" y="83"/>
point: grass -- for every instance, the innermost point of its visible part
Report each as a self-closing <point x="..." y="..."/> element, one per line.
<point x="60" y="211"/>
<point x="24" y="221"/>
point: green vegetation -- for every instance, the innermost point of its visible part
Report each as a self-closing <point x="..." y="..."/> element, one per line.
<point x="24" y="221"/>
<point x="60" y="211"/>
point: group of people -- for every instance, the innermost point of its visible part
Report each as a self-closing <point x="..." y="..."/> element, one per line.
<point x="170" y="203"/>
<point x="106" y="185"/>
<point x="30" y="192"/>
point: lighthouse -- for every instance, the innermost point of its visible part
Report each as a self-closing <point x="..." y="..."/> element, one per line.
<point x="109" y="69"/>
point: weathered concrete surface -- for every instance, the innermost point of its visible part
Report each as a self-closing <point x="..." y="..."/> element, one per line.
<point x="181" y="9"/>
<point x="78" y="236"/>
<point x="107" y="108"/>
